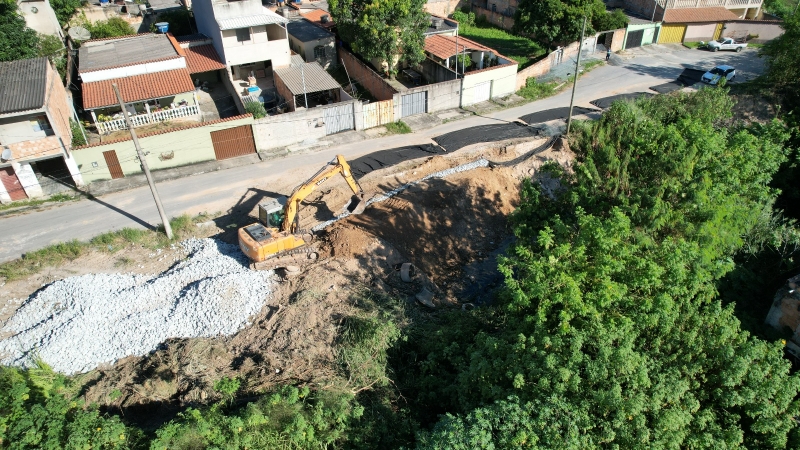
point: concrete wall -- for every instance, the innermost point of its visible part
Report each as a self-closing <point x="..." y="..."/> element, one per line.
<point x="258" y="48"/>
<point x="766" y="30"/>
<point x="543" y="66"/>
<point x="649" y="32"/>
<point x="504" y="79"/>
<point x="170" y="149"/>
<point x="441" y="96"/>
<point x="442" y="7"/>
<point x="306" y="50"/>
<point x="697" y="32"/>
<point x="283" y="130"/>
<point x="365" y="76"/>
<point x="128" y="71"/>
<point x="503" y="16"/>
<point x="58" y="107"/>
<point x="207" y="24"/>
<point x="21" y="129"/>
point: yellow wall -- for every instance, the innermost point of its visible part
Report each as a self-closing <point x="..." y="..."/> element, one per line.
<point x="187" y="147"/>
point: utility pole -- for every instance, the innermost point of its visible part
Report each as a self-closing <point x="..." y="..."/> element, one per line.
<point x="575" y="83"/>
<point x="303" y="77"/>
<point x="655" y="6"/>
<point x="143" y="161"/>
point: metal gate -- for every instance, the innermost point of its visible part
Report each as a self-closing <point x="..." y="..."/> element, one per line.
<point x="411" y="104"/>
<point x="338" y="118"/>
<point x="483" y="92"/>
<point x="12" y="184"/>
<point x="233" y="142"/>
<point x="634" y="39"/>
<point x="112" y="162"/>
<point x="671" y="34"/>
<point x="378" y="113"/>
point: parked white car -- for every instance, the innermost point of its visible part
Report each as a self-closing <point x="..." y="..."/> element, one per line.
<point x="726" y="44"/>
<point x="714" y="75"/>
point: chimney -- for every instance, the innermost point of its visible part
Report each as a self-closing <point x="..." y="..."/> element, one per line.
<point x="436" y="22"/>
<point x="286" y="12"/>
<point x="325" y="18"/>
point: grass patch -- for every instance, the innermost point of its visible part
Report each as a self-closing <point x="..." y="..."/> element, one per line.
<point x="591" y="64"/>
<point x="57" y="254"/>
<point x="57" y="198"/>
<point x="520" y="49"/>
<point x="398" y="127"/>
<point x="534" y="90"/>
<point x="694" y="45"/>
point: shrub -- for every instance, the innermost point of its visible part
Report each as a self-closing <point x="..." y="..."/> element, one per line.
<point x="256" y="109"/>
<point x="398" y="127"/>
<point x="77" y="134"/>
<point x="535" y="91"/>
<point x="464" y="19"/>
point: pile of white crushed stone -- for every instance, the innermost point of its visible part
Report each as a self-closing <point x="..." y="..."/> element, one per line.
<point x="77" y="323"/>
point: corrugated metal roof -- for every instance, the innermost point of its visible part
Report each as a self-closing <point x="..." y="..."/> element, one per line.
<point x="124" y="51"/>
<point x="316" y="78"/>
<point x="250" y="21"/>
<point x="23" y="84"/>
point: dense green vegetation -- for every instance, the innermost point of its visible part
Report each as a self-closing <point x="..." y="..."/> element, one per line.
<point x="519" y="48"/>
<point x="384" y="30"/>
<point x="559" y="22"/>
<point x="113" y="27"/>
<point x="17" y="41"/>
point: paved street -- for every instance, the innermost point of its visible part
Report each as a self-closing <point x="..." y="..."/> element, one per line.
<point x="218" y="191"/>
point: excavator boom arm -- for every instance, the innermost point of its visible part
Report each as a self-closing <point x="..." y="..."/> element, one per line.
<point x="337" y="166"/>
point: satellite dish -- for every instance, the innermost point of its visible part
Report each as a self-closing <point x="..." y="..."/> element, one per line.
<point x="6" y="154"/>
<point x="79" y="33"/>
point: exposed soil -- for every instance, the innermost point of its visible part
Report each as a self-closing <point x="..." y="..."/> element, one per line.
<point x="451" y="229"/>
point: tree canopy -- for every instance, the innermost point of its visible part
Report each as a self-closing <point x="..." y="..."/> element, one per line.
<point x="17" y="41"/>
<point x="609" y="332"/>
<point x="559" y="22"/>
<point x="389" y="30"/>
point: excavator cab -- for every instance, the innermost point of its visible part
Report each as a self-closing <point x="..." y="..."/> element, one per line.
<point x="270" y="212"/>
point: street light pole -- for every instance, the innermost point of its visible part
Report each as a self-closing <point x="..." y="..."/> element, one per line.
<point x="143" y="161"/>
<point x="575" y="83"/>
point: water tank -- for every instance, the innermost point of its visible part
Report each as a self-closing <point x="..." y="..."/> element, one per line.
<point x="162" y="27"/>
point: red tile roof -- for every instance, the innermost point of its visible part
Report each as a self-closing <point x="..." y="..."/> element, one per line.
<point x="695" y="15"/>
<point x="445" y="46"/>
<point x="315" y="17"/>
<point x="203" y="58"/>
<point x="137" y="88"/>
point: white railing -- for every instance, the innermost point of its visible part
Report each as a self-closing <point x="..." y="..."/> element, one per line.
<point x="145" y="119"/>
<point x="710" y="3"/>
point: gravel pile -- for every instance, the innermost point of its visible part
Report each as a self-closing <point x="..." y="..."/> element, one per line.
<point x="79" y="322"/>
<point x="386" y="196"/>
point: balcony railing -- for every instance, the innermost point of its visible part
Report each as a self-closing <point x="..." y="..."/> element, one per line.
<point x="710" y="3"/>
<point x="145" y="119"/>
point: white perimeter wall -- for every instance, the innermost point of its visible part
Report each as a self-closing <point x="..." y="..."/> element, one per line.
<point x="129" y="71"/>
<point x="504" y="79"/>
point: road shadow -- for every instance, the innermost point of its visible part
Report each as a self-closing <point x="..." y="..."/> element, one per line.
<point x="122" y="212"/>
<point x="243" y="213"/>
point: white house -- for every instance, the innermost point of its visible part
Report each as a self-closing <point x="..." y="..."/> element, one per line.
<point x="250" y="39"/>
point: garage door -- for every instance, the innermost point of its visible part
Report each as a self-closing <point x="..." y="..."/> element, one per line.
<point x="236" y="141"/>
<point x="671" y="34"/>
<point x="416" y="103"/>
<point x="483" y="92"/>
<point x="12" y="184"/>
<point x="634" y="39"/>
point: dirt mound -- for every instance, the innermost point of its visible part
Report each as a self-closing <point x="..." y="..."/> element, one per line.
<point x="442" y="224"/>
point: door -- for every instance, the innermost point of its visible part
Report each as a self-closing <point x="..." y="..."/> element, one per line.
<point x="483" y="92"/>
<point x="233" y="142"/>
<point x="634" y="39"/>
<point x="338" y="118"/>
<point x="647" y="38"/>
<point x="671" y="34"/>
<point x="411" y="104"/>
<point x="378" y="113"/>
<point x="12" y="184"/>
<point x="112" y="162"/>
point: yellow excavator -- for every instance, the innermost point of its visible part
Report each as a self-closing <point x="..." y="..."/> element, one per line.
<point x="275" y="241"/>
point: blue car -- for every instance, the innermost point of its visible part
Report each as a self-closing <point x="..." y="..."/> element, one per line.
<point x="714" y="75"/>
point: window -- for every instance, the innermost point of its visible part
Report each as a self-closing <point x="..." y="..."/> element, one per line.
<point x="243" y="34"/>
<point x="319" y="53"/>
<point x="40" y="123"/>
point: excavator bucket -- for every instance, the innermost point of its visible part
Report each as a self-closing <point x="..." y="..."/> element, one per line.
<point x="357" y="204"/>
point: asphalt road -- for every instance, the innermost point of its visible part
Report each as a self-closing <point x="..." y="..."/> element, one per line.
<point x="219" y="191"/>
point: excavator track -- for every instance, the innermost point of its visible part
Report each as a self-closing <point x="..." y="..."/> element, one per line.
<point x="295" y="257"/>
